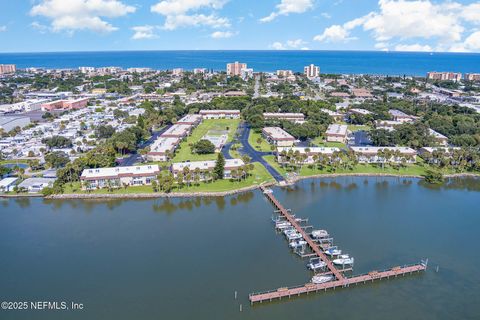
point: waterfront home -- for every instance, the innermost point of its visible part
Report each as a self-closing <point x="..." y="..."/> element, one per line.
<point x="337" y="133"/>
<point x="293" y="117"/>
<point x="204" y="168"/>
<point x="379" y="154"/>
<point x="220" y="114"/>
<point x="163" y="149"/>
<point x="310" y="154"/>
<point x="35" y="185"/>
<point x="278" y="137"/>
<point x="7" y="184"/>
<point x="117" y="177"/>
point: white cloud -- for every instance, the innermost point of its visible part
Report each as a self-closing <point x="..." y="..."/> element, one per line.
<point x="176" y="13"/>
<point x="444" y="23"/>
<point x="285" y="7"/>
<point x="278" y="46"/>
<point x="144" y="32"/>
<point x="3" y="28"/>
<point x="289" y="44"/>
<point x="473" y="41"/>
<point x="413" y="47"/>
<point x="222" y="34"/>
<point x="39" y="27"/>
<point x="74" y="15"/>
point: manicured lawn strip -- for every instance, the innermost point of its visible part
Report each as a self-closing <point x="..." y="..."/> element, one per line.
<point x="258" y="176"/>
<point x="410" y="170"/>
<point x="264" y="146"/>
<point x="184" y="152"/>
<point x="319" y="142"/>
<point x="23" y="161"/>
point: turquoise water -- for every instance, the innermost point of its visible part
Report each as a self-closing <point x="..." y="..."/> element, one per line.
<point x="350" y="62"/>
<point x="184" y="259"/>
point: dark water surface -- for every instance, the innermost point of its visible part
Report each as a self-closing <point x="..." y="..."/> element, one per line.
<point x="184" y="259"/>
<point x="349" y="62"/>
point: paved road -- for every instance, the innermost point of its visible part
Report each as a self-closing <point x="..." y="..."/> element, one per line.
<point x="255" y="155"/>
<point x="135" y="157"/>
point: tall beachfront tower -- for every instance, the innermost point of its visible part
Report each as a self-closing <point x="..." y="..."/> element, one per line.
<point x="236" y="68"/>
<point x="311" y="71"/>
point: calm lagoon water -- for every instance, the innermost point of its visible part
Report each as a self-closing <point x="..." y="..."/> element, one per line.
<point x="184" y="259"/>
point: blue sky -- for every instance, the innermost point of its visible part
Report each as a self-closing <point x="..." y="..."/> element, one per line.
<point x="94" y="25"/>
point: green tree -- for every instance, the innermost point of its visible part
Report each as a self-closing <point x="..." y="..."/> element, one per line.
<point x="219" y="169"/>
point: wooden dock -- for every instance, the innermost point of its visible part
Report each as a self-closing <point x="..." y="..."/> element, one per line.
<point x="340" y="280"/>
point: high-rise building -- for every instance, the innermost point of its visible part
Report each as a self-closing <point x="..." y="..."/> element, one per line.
<point x="7" y="68"/>
<point x="444" y="76"/>
<point x="311" y="71"/>
<point x="284" y="73"/>
<point x="177" y="71"/>
<point x="472" y="76"/>
<point x="235" y="69"/>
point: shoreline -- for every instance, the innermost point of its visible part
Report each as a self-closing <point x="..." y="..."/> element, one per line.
<point x="222" y="193"/>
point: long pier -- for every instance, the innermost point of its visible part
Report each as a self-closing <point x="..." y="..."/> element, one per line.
<point x="340" y="280"/>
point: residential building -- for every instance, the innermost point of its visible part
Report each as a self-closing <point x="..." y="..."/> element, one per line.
<point x="387" y="124"/>
<point x="206" y="166"/>
<point x="444" y="76"/>
<point x="235" y="68"/>
<point x="284" y="73"/>
<point x="337" y="116"/>
<point x="362" y="93"/>
<point x="199" y="71"/>
<point x="7" y="68"/>
<point x="65" y="104"/>
<point x="7" y="184"/>
<point x="191" y="119"/>
<point x="86" y="69"/>
<point x="430" y="150"/>
<point x="117" y="177"/>
<point x="278" y="137"/>
<point x="179" y="131"/>
<point x="309" y="152"/>
<point x="311" y="71"/>
<point x="472" y="76"/>
<point x="293" y="117"/>
<point x="177" y="72"/>
<point x="8" y="123"/>
<point x="400" y="116"/>
<point x="358" y="111"/>
<point x="337" y="133"/>
<point x="35" y="185"/>
<point x="439" y="138"/>
<point x="220" y="114"/>
<point x="373" y="154"/>
<point x="163" y="149"/>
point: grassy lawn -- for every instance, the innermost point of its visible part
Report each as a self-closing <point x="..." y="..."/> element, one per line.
<point x="320" y="142"/>
<point x="354" y="127"/>
<point x="410" y="170"/>
<point x="23" y="161"/>
<point x="184" y="152"/>
<point x="258" y="175"/>
<point x="264" y="146"/>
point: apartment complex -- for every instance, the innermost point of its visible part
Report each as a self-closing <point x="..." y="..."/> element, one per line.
<point x="65" y="104"/>
<point x="310" y="153"/>
<point x="220" y="114"/>
<point x="204" y="167"/>
<point x="400" y="116"/>
<point x="235" y="68"/>
<point x="444" y="76"/>
<point x="284" y="73"/>
<point x="311" y="71"/>
<point x="7" y="68"/>
<point x="118" y="176"/>
<point x="278" y="137"/>
<point x="163" y="149"/>
<point x="293" y="117"/>
<point x="472" y="76"/>
<point x="337" y="133"/>
<point x="374" y="154"/>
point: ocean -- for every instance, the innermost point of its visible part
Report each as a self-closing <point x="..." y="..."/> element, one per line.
<point x="339" y="62"/>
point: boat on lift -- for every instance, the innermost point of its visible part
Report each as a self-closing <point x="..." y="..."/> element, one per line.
<point x="318" y="279"/>
<point x="297" y="244"/>
<point x="283" y="225"/>
<point x="333" y="251"/>
<point x="315" y="264"/>
<point x="343" y="259"/>
<point x="287" y="231"/>
<point x="267" y="191"/>
<point x="318" y="234"/>
<point x="294" y="236"/>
